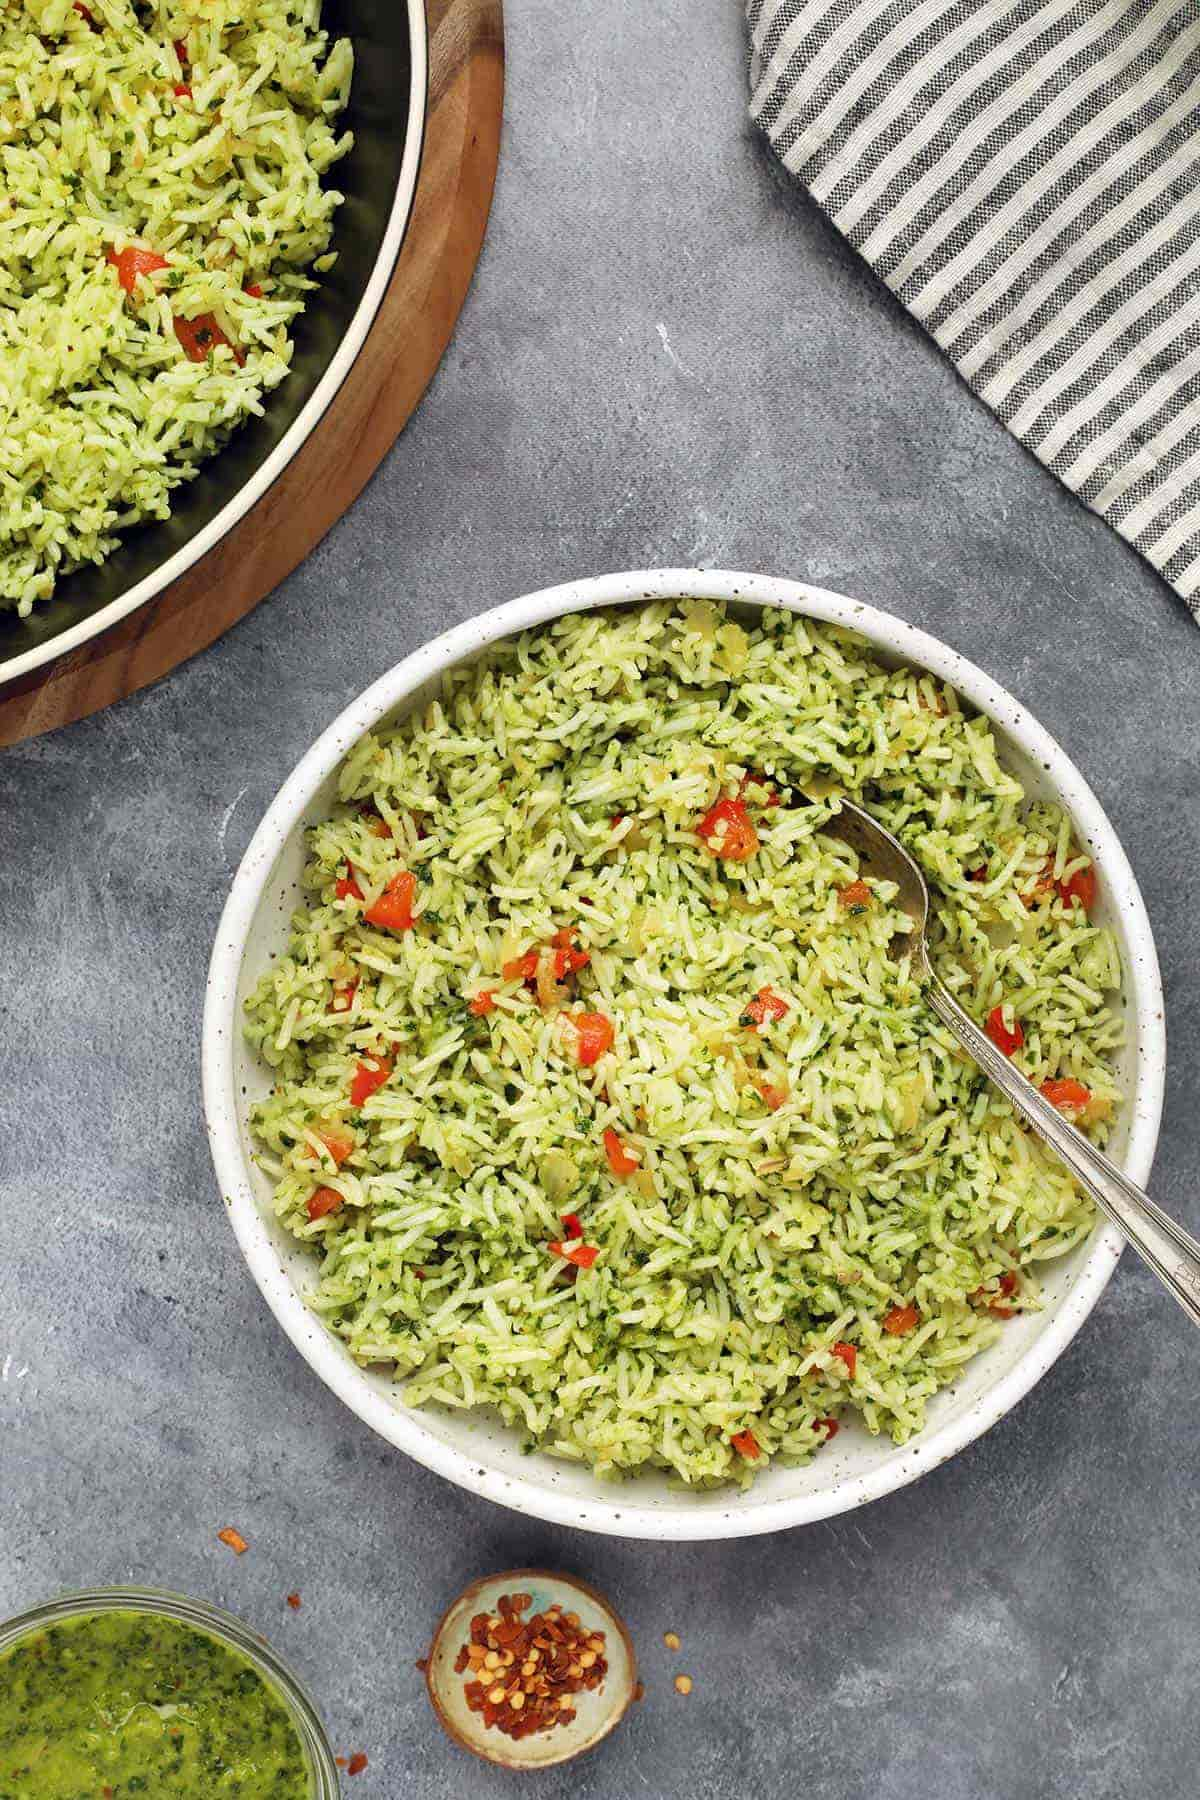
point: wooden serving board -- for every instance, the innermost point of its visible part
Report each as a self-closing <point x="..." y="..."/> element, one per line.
<point x="419" y="310"/>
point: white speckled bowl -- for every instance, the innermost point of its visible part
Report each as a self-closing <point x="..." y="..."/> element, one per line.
<point x="480" y="1453"/>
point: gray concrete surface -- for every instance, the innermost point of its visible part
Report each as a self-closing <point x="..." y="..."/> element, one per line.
<point x="667" y="357"/>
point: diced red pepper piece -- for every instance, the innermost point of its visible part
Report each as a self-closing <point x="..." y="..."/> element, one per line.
<point x="856" y="897"/>
<point x="368" y="1078"/>
<point x="182" y="91"/>
<point x="1081" y="887"/>
<point x="728" y="830"/>
<point x="619" y="1159"/>
<point x="237" y="1543"/>
<point x="594" y="1035"/>
<point x="582" y="1255"/>
<point x="849" y="1355"/>
<point x="325" y="1200"/>
<point x="482" y="1003"/>
<point x="773" y="1096"/>
<point x="1004" y="1039"/>
<point x="85" y="12"/>
<point x="181" y="50"/>
<point x="979" y="874"/>
<point x="343" y="997"/>
<point x="567" y="957"/>
<point x="765" y="1005"/>
<point x="520" y="968"/>
<point x="393" y="911"/>
<point x="746" y="1444"/>
<point x="900" y="1320"/>
<point x="338" y="1140"/>
<point x="1007" y="1287"/>
<point x="255" y="292"/>
<point x="201" y="335"/>
<point x="376" y="824"/>
<point x="829" y="1426"/>
<point x="572" y="1228"/>
<point x="347" y="887"/>
<point x="132" y="262"/>
<point x="1067" y="1095"/>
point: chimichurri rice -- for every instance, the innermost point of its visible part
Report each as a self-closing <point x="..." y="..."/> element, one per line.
<point x="162" y="203"/>
<point x="600" y="1094"/>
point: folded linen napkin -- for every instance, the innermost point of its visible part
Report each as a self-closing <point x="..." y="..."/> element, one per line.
<point x="1025" y="176"/>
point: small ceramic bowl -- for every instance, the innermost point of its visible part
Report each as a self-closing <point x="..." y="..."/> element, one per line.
<point x="597" y="1711"/>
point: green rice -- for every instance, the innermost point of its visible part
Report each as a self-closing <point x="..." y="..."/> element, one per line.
<point x="558" y="784"/>
<point x="197" y="129"/>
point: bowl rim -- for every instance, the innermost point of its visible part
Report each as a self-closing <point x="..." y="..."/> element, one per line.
<point x="615" y="1516"/>
<point x="205" y="1616"/>
<point x="310" y="414"/>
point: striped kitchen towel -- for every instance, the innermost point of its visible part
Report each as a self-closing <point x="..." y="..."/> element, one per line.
<point x="1025" y="176"/>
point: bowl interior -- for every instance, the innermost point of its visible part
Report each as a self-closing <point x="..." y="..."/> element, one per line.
<point x="378" y="114"/>
<point x="483" y="1453"/>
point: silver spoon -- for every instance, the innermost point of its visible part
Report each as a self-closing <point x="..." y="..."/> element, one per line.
<point x="1159" y="1241"/>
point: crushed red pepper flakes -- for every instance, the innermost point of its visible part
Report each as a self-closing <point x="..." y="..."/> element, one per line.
<point x="523" y="1674"/>
<point x="357" y="1763"/>
<point x="234" y="1539"/>
<point x="293" y="1601"/>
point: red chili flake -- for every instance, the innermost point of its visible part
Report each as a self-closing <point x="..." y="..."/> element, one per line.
<point x="181" y="50"/>
<point x="293" y="1601"/>
<point x="538" y="1665"/>
<point x="357" y="1763"/>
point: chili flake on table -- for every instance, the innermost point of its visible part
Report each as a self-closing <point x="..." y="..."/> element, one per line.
<point x="525" y="1673"/>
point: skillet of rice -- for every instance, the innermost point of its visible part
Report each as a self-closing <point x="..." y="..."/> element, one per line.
<point x="779" y="1198"/>
<point x="163" y="213"/>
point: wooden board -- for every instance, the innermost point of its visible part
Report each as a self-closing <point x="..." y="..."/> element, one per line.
<point x="419" y="310"/>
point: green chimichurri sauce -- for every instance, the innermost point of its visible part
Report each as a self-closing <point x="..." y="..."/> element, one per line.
<point x="112" y="1704"/>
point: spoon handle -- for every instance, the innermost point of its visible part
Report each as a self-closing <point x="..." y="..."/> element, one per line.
<point x="1169" y="1250"/>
